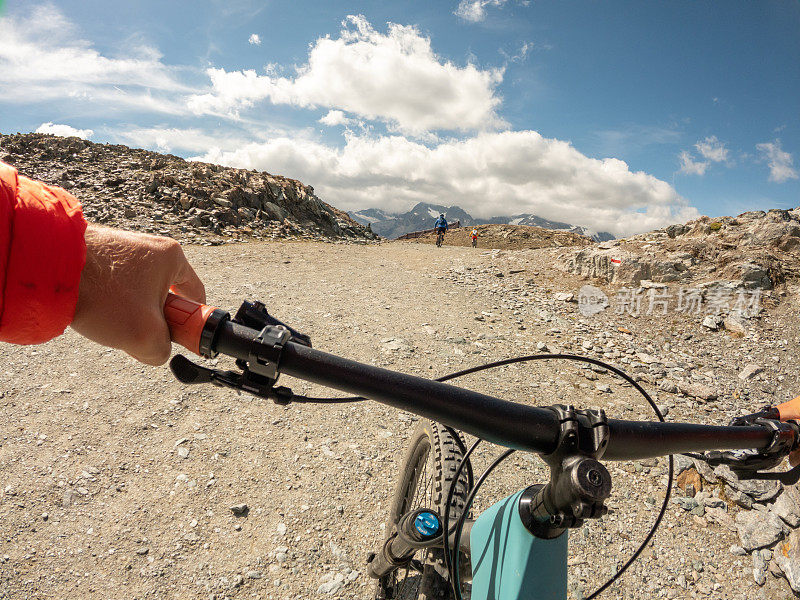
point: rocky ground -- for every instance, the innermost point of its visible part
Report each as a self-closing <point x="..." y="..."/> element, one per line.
<point x="167" y="195"/>
<point x="117" y="480"/>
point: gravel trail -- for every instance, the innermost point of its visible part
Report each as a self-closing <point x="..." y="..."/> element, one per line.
<point x="117" y="481"/>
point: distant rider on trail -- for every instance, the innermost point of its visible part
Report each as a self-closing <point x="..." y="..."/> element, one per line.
<point x="474" y="237"/>
<point x="440" y="227"/>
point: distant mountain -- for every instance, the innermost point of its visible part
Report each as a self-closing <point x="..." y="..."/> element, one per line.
<point x="597" y="236"/>
<point x="370" y="215"/>
<point x="529" y="219"/>
<point x="423" y="215"/>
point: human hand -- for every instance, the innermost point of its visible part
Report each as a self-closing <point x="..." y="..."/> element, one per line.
<point x="123" y="289"/>
<point x="790" y="411"/>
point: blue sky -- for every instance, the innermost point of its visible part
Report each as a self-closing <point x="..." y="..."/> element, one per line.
<point x="619" y="116"/>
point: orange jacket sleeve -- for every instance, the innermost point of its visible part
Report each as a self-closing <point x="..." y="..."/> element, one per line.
<point x="42" y="253"/>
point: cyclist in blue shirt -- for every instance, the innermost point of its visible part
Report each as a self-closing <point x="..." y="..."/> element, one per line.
<point x="441" y="224"/>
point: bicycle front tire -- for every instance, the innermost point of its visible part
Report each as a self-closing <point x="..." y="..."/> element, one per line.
<point x="426" y="474"/>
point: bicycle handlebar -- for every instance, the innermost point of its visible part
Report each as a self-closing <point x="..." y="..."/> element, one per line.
<point x="506" y="423"/>
<point x="207" y="331"/>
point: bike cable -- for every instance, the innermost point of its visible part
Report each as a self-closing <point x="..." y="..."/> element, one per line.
<point x="448" y="557"/>
<point x="452" y="561"/>
<point x="280" y="397"/>
<point x="285" y="395"/>
<point x="456" y="581"/>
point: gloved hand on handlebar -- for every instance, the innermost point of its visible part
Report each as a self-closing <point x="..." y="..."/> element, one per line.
<point x="123" y="289"/>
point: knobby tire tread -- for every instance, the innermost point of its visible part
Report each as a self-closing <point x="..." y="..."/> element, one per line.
<point x="447" y="453"/>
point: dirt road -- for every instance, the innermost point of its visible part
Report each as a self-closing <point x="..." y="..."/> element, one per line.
<point x="117" y="481"/>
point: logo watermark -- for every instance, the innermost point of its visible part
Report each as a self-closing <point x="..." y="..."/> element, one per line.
<point x="659" y="300"/>
<point x="591" y="300"/>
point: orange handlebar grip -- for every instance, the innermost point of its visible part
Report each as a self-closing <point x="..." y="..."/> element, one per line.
<point x="186" y="320"/>
<point x="790" y="411"/>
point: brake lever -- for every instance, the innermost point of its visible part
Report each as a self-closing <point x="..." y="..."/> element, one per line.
<point x="767" y="412"/>
<point x="738" y="461"/>
<point x="790" y="477"/>
<point x="189" y="372"/>
<point x="752" y="464"/>
<point x="259" y="371"/>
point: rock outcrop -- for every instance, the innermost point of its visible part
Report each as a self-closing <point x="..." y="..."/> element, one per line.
<point x="167" y="195"/>
<point x="756" y="250"/>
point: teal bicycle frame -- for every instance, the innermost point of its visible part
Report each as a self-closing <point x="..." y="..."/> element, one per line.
<point x="510" y="563"/>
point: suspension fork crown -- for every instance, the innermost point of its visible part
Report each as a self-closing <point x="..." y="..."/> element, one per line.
<point x="417" y="529"/>
<point x="579" y="484"/>
<point x="427" y="524"/>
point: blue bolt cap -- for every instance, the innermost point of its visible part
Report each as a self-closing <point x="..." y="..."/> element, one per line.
<point x="427" y="524"/>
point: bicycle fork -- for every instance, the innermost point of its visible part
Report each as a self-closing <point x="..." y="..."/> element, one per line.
<point x="518" y="547"/>
<point x="417" y="530"/>
<point x="508" y="561"/>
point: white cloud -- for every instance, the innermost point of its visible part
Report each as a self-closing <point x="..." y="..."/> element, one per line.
<point x="394" y="77"/>
<point x="474" y="11"/>
<point x="194" y="140"/>
<point x="712" y="149"/>
<point x="64" y="130"/>
<point x="521" y="54"/>
<point x="490" y="174"/>
<point x="43" y="58"/>
<point x="169" y="139"/>
<point x="690" y="166"/>
<point x="779" y="161"/>
<point x="335" y="117"/>
<point x="254" y="39"/>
